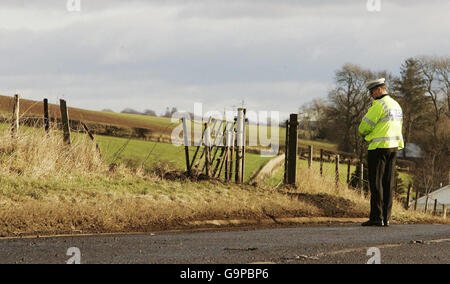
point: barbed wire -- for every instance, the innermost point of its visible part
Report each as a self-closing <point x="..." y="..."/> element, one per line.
<point x="156" y="143"/>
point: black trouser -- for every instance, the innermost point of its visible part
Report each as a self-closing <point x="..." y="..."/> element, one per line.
<point x="382" y="182"/>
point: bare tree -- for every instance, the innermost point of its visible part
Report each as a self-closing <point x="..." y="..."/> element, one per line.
<point x="349" y="102"/>
<point x="436" y="140"/>
<point x="310" y="115"/>
<point x="434" y="76"/>
<point x="314" y="114"/>
<point x="442" y="70"/>
<point x="130" y="111"/>
<point x="150" y="112"/>
<point x="425" y="176"/>
<point x="169" y="112"/>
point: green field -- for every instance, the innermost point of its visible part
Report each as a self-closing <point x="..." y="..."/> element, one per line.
<point x="139" y="151"/>
<point x="150" y="120"/>
<point x="282" y="137"/>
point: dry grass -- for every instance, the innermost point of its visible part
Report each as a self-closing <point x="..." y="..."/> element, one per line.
<point x="35" y="154"/>
<point x="48" y="187"/>
<point x="155" y="206"/>
<point x="342" y="201"/>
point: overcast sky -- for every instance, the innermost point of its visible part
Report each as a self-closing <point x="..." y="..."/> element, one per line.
<point x="273" y="54"/>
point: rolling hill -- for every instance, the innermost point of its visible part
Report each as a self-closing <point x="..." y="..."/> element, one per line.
<point x="29" y="108"/>
<point x="125" y="125"/>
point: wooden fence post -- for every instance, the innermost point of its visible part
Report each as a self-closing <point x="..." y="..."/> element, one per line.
<point x="243" y="146"/>
<point x="286" y="152"/>
<point x="435" y="207"/>
<point x="349" y="163"/>
<point x="321" y="162"/>
<point x="417" y="197"/>
<point x="15" y="116"/>
<point x="408" y="196"/>
<point x="361" y="177"/>
<point x="65" y="121"/>
<point x="46" y="116"/>
<point x="444" y="211"/>
<point x="186" y="137"/>
<point x="218" y="136"/>
<point x="240" y="145"/>
<point x="221" y="146"/>
<point x="310" y="156"/>
<point x="210" y="130"/>
<point x="337" y="169"/>
<point x="233" y="141"/>
<point x="293" y="148"/>
<point x="207" y="161"/>
<point x="86" y="129"/>
<point x="227" y="153"/>
<point x="207" y="149"/>
<point x="199" y="145"/>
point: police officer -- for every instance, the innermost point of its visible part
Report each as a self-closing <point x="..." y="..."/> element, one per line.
<point x="382" y="128"/>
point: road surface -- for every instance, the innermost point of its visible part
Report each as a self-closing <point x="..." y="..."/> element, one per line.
<point x="319" y="244"/>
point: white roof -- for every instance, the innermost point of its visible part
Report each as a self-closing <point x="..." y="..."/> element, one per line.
<point x="412" y="151"/>
<point x="442" y="195"/>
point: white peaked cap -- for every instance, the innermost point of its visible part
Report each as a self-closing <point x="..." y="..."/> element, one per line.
<point x="375" y="83"/>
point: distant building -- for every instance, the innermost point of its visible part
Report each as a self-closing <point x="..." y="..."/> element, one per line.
<point x="442" y="195"/>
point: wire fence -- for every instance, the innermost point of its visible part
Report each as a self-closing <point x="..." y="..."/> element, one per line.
<point x="331" y="163"/>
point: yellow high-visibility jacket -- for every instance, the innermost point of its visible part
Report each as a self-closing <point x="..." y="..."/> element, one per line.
<point x="382" y="124"/>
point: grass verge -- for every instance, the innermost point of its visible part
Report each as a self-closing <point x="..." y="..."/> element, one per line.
<point x="50" y="188"/>
<point x="129" y="202"/>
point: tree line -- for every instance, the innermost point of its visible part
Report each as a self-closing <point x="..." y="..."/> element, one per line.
<point x="168" y="113"/>
<point x="422" y="90"/>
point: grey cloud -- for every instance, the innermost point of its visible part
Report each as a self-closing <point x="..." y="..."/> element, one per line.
<point x="270" y="53"/>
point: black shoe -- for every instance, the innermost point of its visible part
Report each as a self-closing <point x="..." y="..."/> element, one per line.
<point x="386" y="223"/>
<point x="372" y="223"/>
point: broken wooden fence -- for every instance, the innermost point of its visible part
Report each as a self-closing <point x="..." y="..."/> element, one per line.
<point x="222" y="148"/>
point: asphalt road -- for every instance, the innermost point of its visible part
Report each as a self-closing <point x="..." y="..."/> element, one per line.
<point x="320" y="244"/>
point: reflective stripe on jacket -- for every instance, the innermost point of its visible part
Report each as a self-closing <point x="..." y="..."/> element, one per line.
<point x="382" y="124"/>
